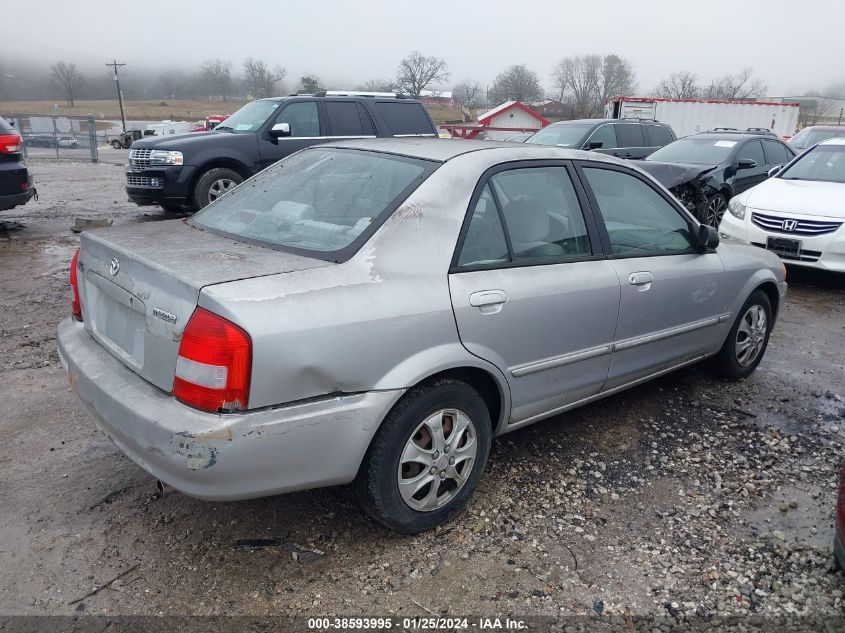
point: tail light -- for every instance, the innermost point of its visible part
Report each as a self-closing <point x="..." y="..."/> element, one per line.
<point x="214" y="363"/>
<point x="10" y="143"/>
<point x="76" y="307"/>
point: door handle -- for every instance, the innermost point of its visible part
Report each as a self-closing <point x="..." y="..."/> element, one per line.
<point x="640" y="279"/>
<point x="488" y="301"/>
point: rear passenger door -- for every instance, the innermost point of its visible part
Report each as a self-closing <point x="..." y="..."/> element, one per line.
<point x="348" y="119"/>
<point x="631" y="141"/>
<point x="672" y="295"/>
<point x="777" y="154"/>
<point x="531" y="290"/>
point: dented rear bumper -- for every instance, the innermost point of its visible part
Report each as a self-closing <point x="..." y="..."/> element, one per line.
<point x="320" y="442"/>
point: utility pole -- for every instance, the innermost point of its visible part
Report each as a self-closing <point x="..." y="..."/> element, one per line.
<point x="115" y="66"/>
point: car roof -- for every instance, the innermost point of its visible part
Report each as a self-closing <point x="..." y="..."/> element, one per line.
<point x="826" y="128"/>
<point x="833" y="141"/>
<point x="442" y="150"/>
<point x="730" y="136"/>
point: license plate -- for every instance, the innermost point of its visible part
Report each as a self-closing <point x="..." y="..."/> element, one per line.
<point x="784" y="247"/>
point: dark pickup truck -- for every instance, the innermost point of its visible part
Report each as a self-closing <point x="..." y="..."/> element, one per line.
<point x="189" y="171"/>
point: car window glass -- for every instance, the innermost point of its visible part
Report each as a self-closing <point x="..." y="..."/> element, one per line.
<point x="485" y="239"/>
<point x="302" y="117"/>
<point x="630" y="135"/>
<point x="658" y="136"/>
<point x="5" y="128"/>
<point x="344" y="119"/>
<point x="405" y="119"/>
<point x="754" y="151"/>
<point x="639" y="220"/>
<point x="542" y="215"/>
<point x="604" y="134"/>
<point x="366" y="123"/>
<point x="776" y="153"/>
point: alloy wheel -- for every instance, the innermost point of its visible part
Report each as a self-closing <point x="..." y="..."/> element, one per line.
<point x="219" y="187"/>
<point x="715" y="210"/>
<point x="750" y="336"/>
<point x="437" y="460"/>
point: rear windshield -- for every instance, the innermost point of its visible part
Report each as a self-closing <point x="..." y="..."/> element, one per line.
<point x="405" y="119"/>
<point x="5" y="128"/>
<point x="696" y="151"/>
<point x="809" y="137"/>
<point x="319" y="202"/>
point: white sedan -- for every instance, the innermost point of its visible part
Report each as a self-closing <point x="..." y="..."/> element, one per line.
<point x="799" y="213"/>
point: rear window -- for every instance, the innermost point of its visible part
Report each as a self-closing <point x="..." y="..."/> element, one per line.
<point x="658" y="136"/>
<point x="344" y="118"/>
<point x="630" y="135"/>
<point x="320" y="202"/>
<point x="5" y="128"/>
<point x="405" y="119"/>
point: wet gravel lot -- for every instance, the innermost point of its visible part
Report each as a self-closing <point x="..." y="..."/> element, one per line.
<point x="685" y="503"/>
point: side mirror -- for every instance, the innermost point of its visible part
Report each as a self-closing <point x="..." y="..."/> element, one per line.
<point x="594" y="145"/>
<point x="746" y="163"/>
<point x="279" y="130"/>
<point x="708" y="237"/>
<point x="774" y="171"/>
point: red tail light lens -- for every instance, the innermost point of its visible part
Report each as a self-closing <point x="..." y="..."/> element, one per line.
<point x="214" y="363"/>
<point x="76" y="306"/>
<point x="10" y="143"/>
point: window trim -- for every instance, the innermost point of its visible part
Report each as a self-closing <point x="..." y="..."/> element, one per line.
<point x="586" y="142"/>
<point x="593" y="233"/>
<point x="783" y="146"/>
<point x="692" y="223"/>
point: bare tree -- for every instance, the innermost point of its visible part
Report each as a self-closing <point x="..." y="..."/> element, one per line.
<point x="379" y="85"/>
<point x="69" y="79"/>
<point x="467" y="93"/>
<point x="418" y="72"/>
<point x="679" y="85"/>
<point x="259" y="79"/>
<point x="618" y="78"/>
<point x="216" y="75"/>
<point x="814" y="108"/>
<point x="516" y="83"/>
<point x="585" y="82"/>
<point x="736" y="87"/>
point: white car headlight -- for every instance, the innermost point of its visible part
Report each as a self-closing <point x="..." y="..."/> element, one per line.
<point x="736" y="208"/>
<point x="165" y="157"/>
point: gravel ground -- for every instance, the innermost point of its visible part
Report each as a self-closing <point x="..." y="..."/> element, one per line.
<point x="684" y="503"/>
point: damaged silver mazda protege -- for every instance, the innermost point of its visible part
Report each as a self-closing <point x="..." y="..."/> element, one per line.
<point x="377" y="311"/>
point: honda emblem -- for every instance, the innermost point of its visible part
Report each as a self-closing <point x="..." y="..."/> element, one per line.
<point x="789" y="225"/>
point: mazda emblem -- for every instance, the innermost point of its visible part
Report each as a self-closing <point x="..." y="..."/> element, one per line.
<point x="114" y="266"/>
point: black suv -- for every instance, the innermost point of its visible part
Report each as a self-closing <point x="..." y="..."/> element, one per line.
<point x="15" y="181"/>
<point x="704" y="171"/>
<point x="188" y="171"/>
<point x="625" y="138"/>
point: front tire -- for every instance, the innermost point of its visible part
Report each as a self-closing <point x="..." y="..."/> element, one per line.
<point x="713" y="210"/>
<point x="213" y="184"/>
<point x="747" y="340"/>
<point x="116" y="144"/>
<point x="427" y="457"/>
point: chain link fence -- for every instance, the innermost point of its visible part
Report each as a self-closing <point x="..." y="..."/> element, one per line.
<point x="56" y="137"/>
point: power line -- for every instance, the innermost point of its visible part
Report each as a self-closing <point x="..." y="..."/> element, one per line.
<point x="115" y="65"/>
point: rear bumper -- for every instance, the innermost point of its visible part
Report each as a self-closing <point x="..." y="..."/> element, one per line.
<point x="221" y="457"/>
<point x="16" y="200"/>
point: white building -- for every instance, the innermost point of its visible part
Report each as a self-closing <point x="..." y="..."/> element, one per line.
<point x="509" y="118"/>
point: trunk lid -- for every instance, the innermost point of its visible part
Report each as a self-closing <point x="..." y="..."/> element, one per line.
<point x="139" y="286"/>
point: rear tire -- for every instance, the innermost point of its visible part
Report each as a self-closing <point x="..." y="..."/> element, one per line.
<point x="213" y="184"/>
<point x="437" y="471"/>
<point x="747" y="340"/>
<point x="116" y="144"/>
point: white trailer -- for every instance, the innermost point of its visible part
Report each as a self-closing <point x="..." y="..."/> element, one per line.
<point x="168" y="127"/>
<point x="690" y="116"/>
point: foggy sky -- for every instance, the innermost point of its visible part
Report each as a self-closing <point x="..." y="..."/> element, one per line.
<point x="794" y="46"/>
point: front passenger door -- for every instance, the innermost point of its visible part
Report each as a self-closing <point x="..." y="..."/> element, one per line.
<point x="746" y="178"/>
<point x="672" y="297"/>
<point x="305" y="130"/>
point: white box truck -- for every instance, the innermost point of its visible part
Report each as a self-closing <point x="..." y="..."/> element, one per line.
<point x="690" y="116"/>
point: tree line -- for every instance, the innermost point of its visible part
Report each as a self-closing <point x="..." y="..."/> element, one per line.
<point x="581" y="83"/>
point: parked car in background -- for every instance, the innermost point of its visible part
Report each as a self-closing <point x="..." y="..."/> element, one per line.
<point x="627" y="138"/>
<point x="189" y="171"/>
<point x="15" y="182"/>
<point x="799" y="213"/>
<point x="375" y="311"/>
<point x="520" y="138"/>
<point x="706" y="170"/>
<point x="813" y="134"/>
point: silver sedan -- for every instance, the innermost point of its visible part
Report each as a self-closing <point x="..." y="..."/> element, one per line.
<point x="377" y="311"/>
